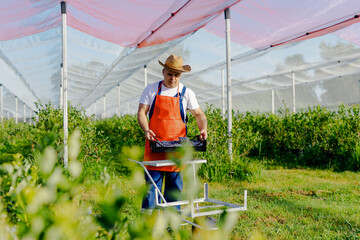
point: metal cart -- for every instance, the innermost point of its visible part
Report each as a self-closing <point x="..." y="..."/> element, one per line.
<point x="196" y="210"/>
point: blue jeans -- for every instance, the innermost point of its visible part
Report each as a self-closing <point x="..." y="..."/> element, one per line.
<point x="173" y="187"/>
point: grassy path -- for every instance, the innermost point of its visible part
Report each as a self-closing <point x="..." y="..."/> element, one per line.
<point x="286" y="204"/>
<point x="297" y="204"/>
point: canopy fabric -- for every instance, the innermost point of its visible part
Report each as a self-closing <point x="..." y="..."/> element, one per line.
<point x="351" y="33"/>
<point x="126" y="23"/>
<point x="110" y="41"/>
<point x="278" y="22"/>
<point x="23" y="18"/>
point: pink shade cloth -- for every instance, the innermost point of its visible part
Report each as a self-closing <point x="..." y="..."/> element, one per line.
<point x="119" y="22"/>
<point x="126" y="22"/>
<point x="20" y="18"/>
<point x="323" y="31"/>
<point x="261" y="23"/>
<point x="254" y="23"/>
<point x="351" y="34"/>
<point x="183" y="18"/>
<point x="139" y="23"/>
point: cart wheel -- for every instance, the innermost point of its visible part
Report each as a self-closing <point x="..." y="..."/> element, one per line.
<point x="194" y="230"/>
<point x="211" y="222"/>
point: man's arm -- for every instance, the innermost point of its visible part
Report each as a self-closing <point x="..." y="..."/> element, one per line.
<point x="201" y="122"/>
<point x="143" y="122"/>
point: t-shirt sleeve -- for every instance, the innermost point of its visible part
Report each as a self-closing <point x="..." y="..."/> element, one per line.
<point x="192" y="101"/>
<point x="146" y="96"/>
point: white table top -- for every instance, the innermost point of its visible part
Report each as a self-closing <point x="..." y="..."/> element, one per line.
<point x="163" y="163"/>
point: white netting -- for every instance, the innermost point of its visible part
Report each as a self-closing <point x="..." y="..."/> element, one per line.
<point x="102" y="75"/>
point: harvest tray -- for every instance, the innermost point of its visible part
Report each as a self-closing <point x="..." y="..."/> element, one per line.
<point x="172" y="146"/>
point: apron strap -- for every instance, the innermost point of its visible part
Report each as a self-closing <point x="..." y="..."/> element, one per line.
<point x="182" y="112"/>
<point x="184" y="116"/>
<point x="153" y="104"/>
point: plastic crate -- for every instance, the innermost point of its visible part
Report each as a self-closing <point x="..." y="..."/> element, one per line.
<point x="173" y="146"/>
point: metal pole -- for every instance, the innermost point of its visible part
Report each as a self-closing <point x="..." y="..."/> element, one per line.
<point x="64" y="64"/>
<point x="95" y="110"/>
<point x="16" y="109"/>
<point x="272" y="101"/>
<point x="228" y="71"/>
<point x="61" y="86"/>
<point x="24" y="113"/>
<point x="118" y="96"/>
<point x="293" y="91"/>
<point x="104" y="110"/>
<point x="1" y="102"/>
<point x="223" y="92"/>
<point x="145" y="75"/>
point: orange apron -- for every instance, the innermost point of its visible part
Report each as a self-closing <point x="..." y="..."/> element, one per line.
<point x="167" y="124"/>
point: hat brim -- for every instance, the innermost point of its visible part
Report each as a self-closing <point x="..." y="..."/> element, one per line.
<point x="185" y="68"/>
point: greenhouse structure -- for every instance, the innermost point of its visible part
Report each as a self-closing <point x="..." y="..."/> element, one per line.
<point x="284" y="54"/>
<point x="278" y="83"/>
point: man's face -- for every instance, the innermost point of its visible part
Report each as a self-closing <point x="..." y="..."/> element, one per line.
<point x="171" y="78"/>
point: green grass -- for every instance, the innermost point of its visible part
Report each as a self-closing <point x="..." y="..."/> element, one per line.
<point x="284" y="204"/>
<point x="297" y="204"/>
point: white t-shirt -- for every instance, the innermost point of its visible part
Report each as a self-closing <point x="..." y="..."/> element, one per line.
<point x="149" y="93"/>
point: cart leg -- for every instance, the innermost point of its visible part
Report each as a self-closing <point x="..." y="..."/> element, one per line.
<point x="195" y="183"/>
<point x="152" y="198"/>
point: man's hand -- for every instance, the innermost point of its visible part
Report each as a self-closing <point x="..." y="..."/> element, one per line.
<point x="149" y="135"/>
<point x="143" y="122"/>
<point x="201" y="122"/>
<point x="203" y="135"/>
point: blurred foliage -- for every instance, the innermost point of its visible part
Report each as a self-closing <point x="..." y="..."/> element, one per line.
<point x="41" y="200"/>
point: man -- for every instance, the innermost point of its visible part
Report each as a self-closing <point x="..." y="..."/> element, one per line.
<point x="167" y="102"/>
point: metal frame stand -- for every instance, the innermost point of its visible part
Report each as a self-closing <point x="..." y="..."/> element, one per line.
<point x="194" y="207"/>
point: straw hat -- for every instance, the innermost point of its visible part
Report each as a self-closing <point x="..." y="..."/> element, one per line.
<point x="175" y="63"/>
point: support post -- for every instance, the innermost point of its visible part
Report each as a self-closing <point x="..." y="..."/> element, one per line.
<point x="1" y="102"/>
<point x="293" y="91"/>
<point x="24" y="113"/>
<point x="272" y="101"/>
<point x="145" y="75"/>
<point x="61" y="86"/>
<point x="16" y="109"/>
<point x="95" y="110"/>
<point x="118" y="98"/>
<point x="223" y="93"/>
<point x="64" y="65"/>
<point x="104" y="110"/>
<point x="228" y="72"/>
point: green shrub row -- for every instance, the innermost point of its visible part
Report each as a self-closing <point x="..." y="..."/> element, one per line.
<point x="316" y="137"/>
<point x="14" y="139"/>
<point x="24" y="140"/>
